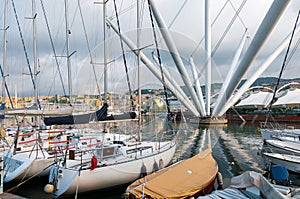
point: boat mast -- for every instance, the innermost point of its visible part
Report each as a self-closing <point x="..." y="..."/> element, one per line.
<point x="4" y="51"/>
<point x="68" y="51"/>
<point x="104" y="52"/>
<point x="139" y="69"/>
<point x="35" y="71"/>
<point x="208" y="54"/>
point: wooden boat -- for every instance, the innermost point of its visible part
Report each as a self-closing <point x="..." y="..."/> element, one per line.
<point x="284" y="147"/>
<point x="191" y="177"/>
<point x="291" y="162"/>
<point x="108" y="166"/>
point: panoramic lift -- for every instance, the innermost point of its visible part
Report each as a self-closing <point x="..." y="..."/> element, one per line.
<point x="226" y="98"/>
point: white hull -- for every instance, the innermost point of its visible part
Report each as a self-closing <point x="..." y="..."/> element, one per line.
<point x="285" y="147"/>
<point x="283" y="135"/>
<point x="109" y="176"/>
<point x="291" y="162"/>
<point x="21" y="166"/>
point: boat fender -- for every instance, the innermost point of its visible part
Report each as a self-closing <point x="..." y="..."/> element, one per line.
<point x="143" y="171"/>
<point x="49" y="188"/>
<point x="219" y="181"/>
<point x="94" y="162"/>
<point x="155" y="167"/>
<point x="161" y="164"/>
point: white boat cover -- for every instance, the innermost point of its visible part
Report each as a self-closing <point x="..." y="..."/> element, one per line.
<point x="250" y="179"/>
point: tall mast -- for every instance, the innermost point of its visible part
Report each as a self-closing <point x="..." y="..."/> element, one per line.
<point x="104" y="52"/>
<point x="35" y="69"/>
<point x="68" y="51"/>
<point x="4" y="51"/>
<point x="208" y="54"/>
<point x="139" y="68"/>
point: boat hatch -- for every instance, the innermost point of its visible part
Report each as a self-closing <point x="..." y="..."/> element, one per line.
<point x="138" y="149"/>
<point x="106" y="152"/>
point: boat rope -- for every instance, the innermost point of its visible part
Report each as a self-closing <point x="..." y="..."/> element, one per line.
<point x="53" y="48"/>
<point x="159" y="58"/>
<point x="8" y="93"/>
<point x="89" y="49"/>
<point x="282" y="68"/>
<point x="25" y="51"/>
<point x="77" y="185"/>
<point x="123" y="53"/>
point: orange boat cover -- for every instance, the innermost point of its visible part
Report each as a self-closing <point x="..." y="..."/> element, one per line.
<point x="180" y="180"/>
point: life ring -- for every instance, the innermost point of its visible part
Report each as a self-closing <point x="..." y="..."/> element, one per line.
<point x="94" y="162"/>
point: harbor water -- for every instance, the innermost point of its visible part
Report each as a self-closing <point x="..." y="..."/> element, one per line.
<point x="236" y="148"/>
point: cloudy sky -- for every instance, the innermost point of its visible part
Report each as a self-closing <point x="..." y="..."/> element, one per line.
<point x="187" y="30"/>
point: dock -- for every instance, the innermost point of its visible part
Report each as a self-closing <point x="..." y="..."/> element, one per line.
<point x="5" y="195"/>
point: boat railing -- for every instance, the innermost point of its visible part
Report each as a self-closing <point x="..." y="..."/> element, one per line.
<point x="273" y="125"/>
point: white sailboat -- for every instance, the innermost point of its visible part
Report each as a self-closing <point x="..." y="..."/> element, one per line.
<point x="37" y="153"/>
<point x="115" y="165"/>
<point x="110" y="165"/>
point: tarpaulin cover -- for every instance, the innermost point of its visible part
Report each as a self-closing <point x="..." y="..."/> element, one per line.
<point x="180" y="180"/>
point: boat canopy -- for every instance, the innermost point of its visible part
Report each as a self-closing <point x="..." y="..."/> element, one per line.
<point x="180" y="180"/>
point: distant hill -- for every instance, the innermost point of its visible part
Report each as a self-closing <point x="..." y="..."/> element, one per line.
<point x="270" y="82"/>
<point x="263" y="81"/>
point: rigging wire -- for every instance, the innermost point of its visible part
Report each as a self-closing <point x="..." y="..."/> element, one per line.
<point x="158" y="56"/>
<point x="282" y="68"/>
<point x="123" y="54"/>
<point x="89" y="49"/>
<point x="52" y="45"/>
<point x="25" y="51"/>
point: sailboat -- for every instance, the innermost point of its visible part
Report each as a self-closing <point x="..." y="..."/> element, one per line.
<point x="110" y="165"/>
<point x="35" y="156"/>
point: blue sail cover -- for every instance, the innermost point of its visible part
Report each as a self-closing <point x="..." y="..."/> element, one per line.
<point x="279" y="173"/>
<point x="98" y="115"/>
<point x="2" y="108"/>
